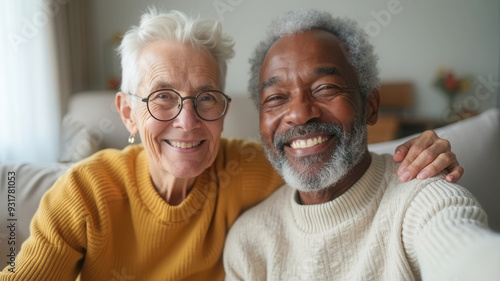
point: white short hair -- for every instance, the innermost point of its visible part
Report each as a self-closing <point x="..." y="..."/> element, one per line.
<point x="172" y="26"/>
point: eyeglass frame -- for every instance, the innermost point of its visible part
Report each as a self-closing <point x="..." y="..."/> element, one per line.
<point x="195" y="99"/>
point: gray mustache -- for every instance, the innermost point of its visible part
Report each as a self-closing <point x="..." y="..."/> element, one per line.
<point x="309" y="128"/>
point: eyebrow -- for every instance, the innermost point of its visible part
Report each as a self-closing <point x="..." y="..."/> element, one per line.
<point x="323" y="70"/>
<point x="206" y="87"/>
<point x="164" y="85"/>
<point x="158" y="85"/>
<point x="326" y="70"/>
<point x="269" y="82"/>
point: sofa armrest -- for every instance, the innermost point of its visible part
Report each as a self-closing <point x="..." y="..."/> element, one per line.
<point x="476" y="142"/>
<point x="25" y="183"/>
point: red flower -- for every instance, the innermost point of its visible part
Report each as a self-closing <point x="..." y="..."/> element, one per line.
<point x="450" y="82"/>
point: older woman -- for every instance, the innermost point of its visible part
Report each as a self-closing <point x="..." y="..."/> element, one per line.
<point x="161" y="210"/>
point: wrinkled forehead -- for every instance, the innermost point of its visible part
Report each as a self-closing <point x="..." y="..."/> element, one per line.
<point x="306" y="52"/>
<point x="176" y="65"/>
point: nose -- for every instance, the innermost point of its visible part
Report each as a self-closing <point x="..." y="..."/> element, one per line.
<point x="301" y="108"/>
<point x="187" y="118"/>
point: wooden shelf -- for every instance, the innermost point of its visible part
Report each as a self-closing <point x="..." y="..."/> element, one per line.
<point x="390" y="127"/>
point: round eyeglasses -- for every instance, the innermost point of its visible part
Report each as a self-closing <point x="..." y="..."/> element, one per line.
<point x="166" y="104"/>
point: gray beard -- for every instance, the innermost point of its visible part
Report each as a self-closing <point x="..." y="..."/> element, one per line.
<point x="349" y="150"/>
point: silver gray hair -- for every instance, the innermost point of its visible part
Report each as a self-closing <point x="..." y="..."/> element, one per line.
<point x="359" y="51"/>
<point x="172" y="26"/>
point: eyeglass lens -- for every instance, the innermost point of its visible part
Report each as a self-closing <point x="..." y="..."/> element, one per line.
<point x="166" y="104"/>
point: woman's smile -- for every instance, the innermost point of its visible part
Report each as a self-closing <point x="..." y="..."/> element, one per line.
<point x="183" y="144"/>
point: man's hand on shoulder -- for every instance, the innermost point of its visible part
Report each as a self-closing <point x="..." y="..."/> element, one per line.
<point x="425" y="156"/>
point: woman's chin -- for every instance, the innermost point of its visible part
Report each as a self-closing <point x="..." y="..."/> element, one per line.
<point x="185" y="169"/>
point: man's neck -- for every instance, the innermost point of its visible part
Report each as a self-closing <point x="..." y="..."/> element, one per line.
<point x="330" y="193"/>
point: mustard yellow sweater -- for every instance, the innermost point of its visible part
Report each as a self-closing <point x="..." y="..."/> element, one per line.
<point x="103" y="220"/>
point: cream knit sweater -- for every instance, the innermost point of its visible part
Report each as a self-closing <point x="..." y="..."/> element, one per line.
<point x="380" y="229"/>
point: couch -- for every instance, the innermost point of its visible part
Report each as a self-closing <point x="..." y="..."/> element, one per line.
<point x="93" y="123"/>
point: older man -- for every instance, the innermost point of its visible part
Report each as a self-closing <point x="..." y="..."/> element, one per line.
<point x="344" y="214"/>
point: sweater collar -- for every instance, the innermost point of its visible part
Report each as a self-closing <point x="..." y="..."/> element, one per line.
<point x="343" y="209"/>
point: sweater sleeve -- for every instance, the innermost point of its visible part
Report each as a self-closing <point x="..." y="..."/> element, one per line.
<point x="57" y="241"/>
<point x="235" y="258"/>
<point x="446" y="235"/>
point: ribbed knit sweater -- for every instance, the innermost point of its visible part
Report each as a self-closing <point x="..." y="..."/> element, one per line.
<point x="380" y="229"/>
<point x="105" y="221"/>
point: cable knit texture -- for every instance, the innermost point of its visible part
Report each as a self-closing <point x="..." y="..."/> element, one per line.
<point x="380" y="229"/>
<point x="104" y="220"/>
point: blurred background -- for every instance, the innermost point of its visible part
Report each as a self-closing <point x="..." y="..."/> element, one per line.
<point x="442" y="57"/>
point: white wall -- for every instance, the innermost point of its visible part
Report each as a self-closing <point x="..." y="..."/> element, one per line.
<point x="419" y="37"/>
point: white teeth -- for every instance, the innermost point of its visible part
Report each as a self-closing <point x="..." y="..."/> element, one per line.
<point x="184" y="144"/>
<point x="308" y="143"/>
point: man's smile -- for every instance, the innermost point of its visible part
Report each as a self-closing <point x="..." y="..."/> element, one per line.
<point x="305" y="143"/>
<point x="308" y="145"/>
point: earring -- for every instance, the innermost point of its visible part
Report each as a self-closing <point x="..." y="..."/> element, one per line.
<point x="131" y="139"/>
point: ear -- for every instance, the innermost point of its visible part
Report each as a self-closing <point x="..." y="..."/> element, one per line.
<point x="124" y="107"/>
<point x="372" y="104"/>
